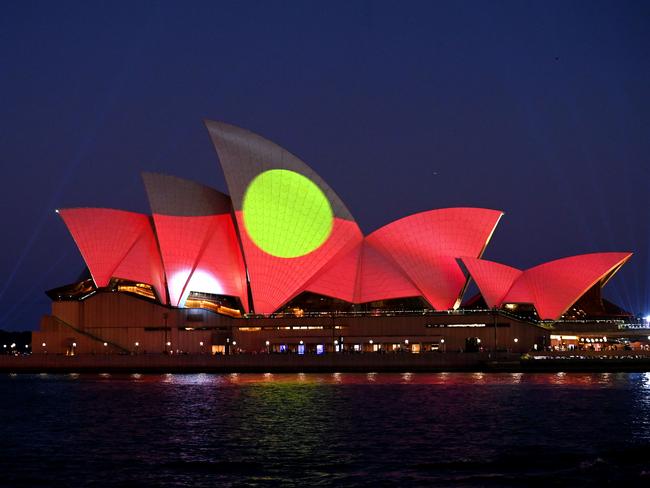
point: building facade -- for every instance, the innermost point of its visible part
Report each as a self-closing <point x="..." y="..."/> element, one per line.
<point x="280" y="265"/>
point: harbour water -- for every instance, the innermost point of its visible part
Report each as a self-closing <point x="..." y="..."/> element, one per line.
<point x="341" y="429"/>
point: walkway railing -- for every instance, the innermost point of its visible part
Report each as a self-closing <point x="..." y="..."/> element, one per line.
<point x="91" y="336"/>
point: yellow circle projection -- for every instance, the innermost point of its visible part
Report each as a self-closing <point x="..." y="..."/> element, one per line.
<point x="286" y="214"/>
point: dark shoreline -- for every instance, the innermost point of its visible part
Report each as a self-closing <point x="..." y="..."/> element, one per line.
<point x="279" y="363"/>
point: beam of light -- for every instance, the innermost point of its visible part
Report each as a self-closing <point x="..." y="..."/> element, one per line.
<point x="531" y="115"/>
<point x="36" y="284"/>
<point x="70" y="169"/>
<point x="201" y="281"/>
<point x="175" y="284"/>
<point x="59" y="189"/>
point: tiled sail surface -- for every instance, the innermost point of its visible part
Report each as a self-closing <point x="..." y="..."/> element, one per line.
<point x="494" y="280"/>
<point x="291" y="223"/>
<point x="363" y="275"/>
<point x="554" y="286"/>
<point x="116" y="243"/>
<point x="197" y="238"/>
<point x="426" y="245"/>
<point x="338" y="279"/>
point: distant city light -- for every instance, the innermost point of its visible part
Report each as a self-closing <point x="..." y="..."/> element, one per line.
<point x="74" y="344"/>
<point x="43" y="344"/>
<point x="137" y="344"/>
<point x="201" y="343"/>
<point x="105" y="344"/>
<point x="516" y="340"/>
<point x="169" y="343"/>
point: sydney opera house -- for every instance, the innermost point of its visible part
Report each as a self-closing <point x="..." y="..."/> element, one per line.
<point x="280" y="265"/>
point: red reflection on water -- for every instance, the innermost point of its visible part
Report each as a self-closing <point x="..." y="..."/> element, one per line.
<point x="314" y="379"/>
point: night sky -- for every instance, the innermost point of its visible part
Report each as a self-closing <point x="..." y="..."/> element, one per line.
<point x="539" y="109"/>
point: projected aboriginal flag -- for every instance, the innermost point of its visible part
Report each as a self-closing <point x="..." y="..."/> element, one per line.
<point x="290" y="221"/>
<point x="283" y="231"/>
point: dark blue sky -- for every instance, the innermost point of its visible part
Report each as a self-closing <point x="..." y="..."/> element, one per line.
<point x="540" y="109"/>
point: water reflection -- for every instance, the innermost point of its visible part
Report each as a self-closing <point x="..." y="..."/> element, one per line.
<point x="327" y="429"/>
<point x="478" y="378"/>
